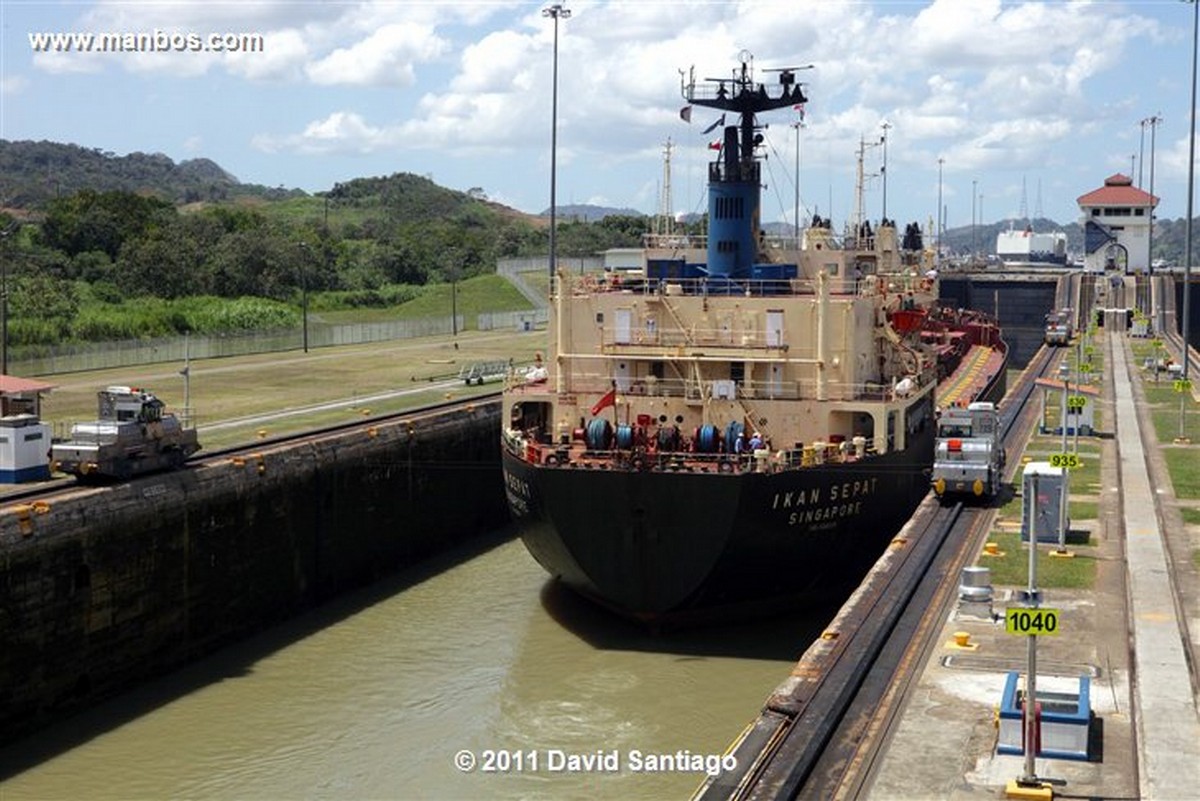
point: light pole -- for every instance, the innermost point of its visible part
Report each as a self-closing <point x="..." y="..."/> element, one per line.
<point x="1153" y="123"/>
<point x="883" y="140"/>
<point x="937" y="260"/>
<point x="555" y="12"/>
<point x="1187" y="236"/>
<point x="974" y="248"/>
<point x="798" y="124"/>
<point x="4" y="301"/>
<point x="304" y="291"/>
<point x="1141" y="153"/>
<point x="981" y="215"/>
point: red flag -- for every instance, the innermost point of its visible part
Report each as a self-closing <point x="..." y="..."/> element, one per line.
<point x="714" y="145"/>
<point x="609" y="399"/>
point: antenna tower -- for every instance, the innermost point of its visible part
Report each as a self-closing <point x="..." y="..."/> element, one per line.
<point x="666" y="218"/>
<point x="1024" y="201"/>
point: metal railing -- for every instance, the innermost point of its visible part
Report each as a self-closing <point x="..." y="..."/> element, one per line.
<point x="586" y="385"/>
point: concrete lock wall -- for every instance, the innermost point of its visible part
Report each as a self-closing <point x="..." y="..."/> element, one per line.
<point x="1020" y="306"/>
<point x="110" y="586"/>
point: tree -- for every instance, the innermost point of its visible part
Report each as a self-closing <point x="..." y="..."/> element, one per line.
<point x="89" y="220"/>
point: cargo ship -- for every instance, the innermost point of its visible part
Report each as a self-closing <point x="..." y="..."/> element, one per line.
<point x="1025" y="248"/>
<point x="745" y="423"/>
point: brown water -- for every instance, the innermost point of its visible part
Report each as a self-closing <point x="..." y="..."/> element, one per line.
<point x="374" y="695"/>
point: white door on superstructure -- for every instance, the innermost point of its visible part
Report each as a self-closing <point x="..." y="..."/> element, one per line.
<point x="774" y="329"/>
<point x="775" y="381"/>
<point x="622" y="375"/>
<point x="623" y="326"/>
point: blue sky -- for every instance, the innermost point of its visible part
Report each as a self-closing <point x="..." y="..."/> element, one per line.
<point x="1047" y="95"/>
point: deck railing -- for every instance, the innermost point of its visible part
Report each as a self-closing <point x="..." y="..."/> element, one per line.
<point x="593" y="385"/>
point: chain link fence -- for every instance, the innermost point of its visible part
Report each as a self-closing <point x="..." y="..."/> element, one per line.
<point x="42" y="360"/>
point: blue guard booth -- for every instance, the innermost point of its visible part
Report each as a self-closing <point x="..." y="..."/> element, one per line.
<point x="1064" y="716"/>
<point x="24" y="439"/>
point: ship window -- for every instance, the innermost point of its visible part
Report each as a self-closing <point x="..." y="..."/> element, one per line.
<point x="737" y="371"/>
<point x="599" y="318"/>
<point x="1139" y="212"/>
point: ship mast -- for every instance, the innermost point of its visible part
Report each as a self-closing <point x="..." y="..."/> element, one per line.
<point x="859" y="189"/>
<point x="734" y="183"/>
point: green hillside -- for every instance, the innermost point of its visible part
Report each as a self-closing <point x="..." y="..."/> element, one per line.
<point x="137" y="246"/>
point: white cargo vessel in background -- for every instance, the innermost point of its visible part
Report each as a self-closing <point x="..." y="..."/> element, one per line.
<point x="1024" y="248"/>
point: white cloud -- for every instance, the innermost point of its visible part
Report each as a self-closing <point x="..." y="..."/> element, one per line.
<point x="385" y="57"/>
<point x="340" y="132"/>
<point x="282" y="58"/>
<point x="12" y="84"/>
<point x="984" y="83"/>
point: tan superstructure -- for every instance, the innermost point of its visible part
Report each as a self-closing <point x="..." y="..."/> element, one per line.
<point x="829" y="358"/>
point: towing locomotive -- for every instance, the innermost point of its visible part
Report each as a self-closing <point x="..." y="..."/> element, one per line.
<point x="969" y="453"/>
<point x="1059" y="329"/>
<point x="133" y="435"/>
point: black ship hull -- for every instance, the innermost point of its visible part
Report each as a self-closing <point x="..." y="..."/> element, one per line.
<point x="658" y="544"/>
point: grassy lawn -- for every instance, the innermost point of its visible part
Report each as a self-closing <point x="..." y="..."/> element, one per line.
<point x="1166" y="421"/>
<point x="1012" y="569"/>
<point x="1083" y="510"/>
<point x="1084" y="479"/>
<point x="473" y="296"/>
<point x="1184" y="467"/>
<point x="1190" y="516"/>
<point x="224" y="390"/>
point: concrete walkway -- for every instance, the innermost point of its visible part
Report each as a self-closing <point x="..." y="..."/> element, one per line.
<point x="1168" y="727"/>
<point x="1124" y="629"/>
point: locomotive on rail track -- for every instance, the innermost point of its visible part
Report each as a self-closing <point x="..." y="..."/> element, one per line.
<point x="132" y="436"/>
<point x="969" y="454"/>
<point x="1058" y="327"/>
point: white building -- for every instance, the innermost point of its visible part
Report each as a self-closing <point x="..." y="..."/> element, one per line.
<point x="1116" y="226"/>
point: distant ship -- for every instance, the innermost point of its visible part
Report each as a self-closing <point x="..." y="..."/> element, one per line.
<point x="1025" y="248"/>
<point x="743" y="424"/>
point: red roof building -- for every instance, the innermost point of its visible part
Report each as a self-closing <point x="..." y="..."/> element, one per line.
<point x="1117" y="221"/>
<point x="1118" y="190"/>
<point x="21" y="395"/>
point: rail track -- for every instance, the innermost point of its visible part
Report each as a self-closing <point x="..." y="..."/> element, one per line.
<point x="56" y="487"/>
<point x="822" y="732"/>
